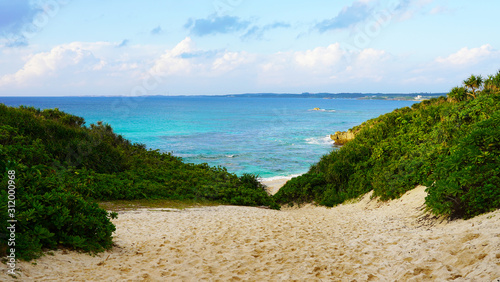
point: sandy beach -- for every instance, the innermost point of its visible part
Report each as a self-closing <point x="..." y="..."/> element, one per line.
<point x="362" y="241"/>
<point x="274" y="184"/>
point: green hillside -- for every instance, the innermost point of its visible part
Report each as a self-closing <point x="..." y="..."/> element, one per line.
<point x="450" y="144"/>
<point x="60" y="168"/>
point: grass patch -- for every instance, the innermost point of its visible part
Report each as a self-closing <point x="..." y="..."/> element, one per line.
<point x="126" y="205"/>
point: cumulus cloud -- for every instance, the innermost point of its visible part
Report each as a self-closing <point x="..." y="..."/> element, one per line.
<point x="324" y="68"/>
<point x="98" y="68"/>
<point x="172" y="61"/>
<point x="466" y="56"/>
<point x="216" y="24"/>
<point x="449" y="70"/>
<point x="62" y="60"/>
<point x="186" y="60"/>
<point x="320" y="57"/>
<point x="372" y="65"/>
<point x="229" y="61"/>
<point x="348" y="16"/>
<point x="316" y="66"/>
<point x="328" y="66"/>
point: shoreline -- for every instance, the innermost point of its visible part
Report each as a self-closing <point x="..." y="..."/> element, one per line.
<point x="274" y="184"/>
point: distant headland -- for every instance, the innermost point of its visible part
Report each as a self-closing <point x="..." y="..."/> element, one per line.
<point x="367" y="96"/>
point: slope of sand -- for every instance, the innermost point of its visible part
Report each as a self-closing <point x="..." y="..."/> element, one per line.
<point x="363" y="241"/>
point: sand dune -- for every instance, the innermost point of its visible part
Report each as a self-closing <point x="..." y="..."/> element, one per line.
<point x="363" y="241"/>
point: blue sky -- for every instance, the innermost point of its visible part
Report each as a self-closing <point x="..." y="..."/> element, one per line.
<point x="121" y="47"/>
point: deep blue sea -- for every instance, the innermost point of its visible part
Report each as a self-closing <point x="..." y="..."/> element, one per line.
<point x="271" y="137"/>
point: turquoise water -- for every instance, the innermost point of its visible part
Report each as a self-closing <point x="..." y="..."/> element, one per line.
<point x="271" y="137"/>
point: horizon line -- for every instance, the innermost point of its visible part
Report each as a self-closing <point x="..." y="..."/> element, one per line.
<point x="230" y="94"/>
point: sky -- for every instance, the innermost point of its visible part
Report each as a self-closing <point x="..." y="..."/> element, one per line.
<point x="152" y="47"/>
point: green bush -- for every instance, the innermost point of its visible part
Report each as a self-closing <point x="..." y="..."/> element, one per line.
<point x="301" y="189"/>
<point x="467" y="181"/>
<point x="49" y="216"/>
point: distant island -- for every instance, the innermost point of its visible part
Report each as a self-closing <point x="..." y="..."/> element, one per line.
<point x="367" y="96"/>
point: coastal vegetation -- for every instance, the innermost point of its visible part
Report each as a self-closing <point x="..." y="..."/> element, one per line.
<point x="61" y="169"/>
<point x="450" y="144"/>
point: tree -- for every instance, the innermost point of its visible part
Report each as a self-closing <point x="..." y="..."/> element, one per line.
<point x="458" y="94"/>
<point x="473" y="83"/>
<point x="492" y="84"/>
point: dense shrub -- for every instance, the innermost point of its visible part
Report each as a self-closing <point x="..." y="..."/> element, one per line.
<point x="302" y="189"/>
<point x="49" y="216"/>
<point x="450" y="144"/>
<point x="467" y="181"/>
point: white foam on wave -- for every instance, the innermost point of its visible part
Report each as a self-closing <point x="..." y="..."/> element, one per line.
<point x="276" y="178"/>
<point x="325" y="140"/>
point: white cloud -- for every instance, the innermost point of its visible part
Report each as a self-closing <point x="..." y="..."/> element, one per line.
<point x="61" y="60"/>
<point x="77" y="67"/>
<point x="371" y="56"/>
<point x="100" y="65"/>
<point x="320" y="56"/>
<point x="323" y="66"/>
<point x="232" y="60"/>
<point x="101" y="68"/>
<point x="370" y="64"/>
<point x="186" y="60"/>
<point x="466" y="56"/>
<point x="449" y="71"/>
<point x="172" y="62"/>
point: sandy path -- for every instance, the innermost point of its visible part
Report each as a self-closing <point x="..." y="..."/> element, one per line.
<point x="365" y="241"/>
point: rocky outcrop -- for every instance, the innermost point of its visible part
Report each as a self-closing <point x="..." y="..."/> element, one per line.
<point x="342" y="137"/>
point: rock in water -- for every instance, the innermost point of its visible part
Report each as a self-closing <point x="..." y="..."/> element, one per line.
<point x="342" y="137"/>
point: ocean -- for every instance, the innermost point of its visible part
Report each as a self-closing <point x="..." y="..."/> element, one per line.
<point x="271" y="137"/>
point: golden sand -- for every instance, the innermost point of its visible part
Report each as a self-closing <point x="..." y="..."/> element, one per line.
<point x="362" y="241"/>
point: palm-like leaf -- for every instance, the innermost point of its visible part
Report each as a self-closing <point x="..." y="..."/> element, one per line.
<point x="473" y="83"/>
